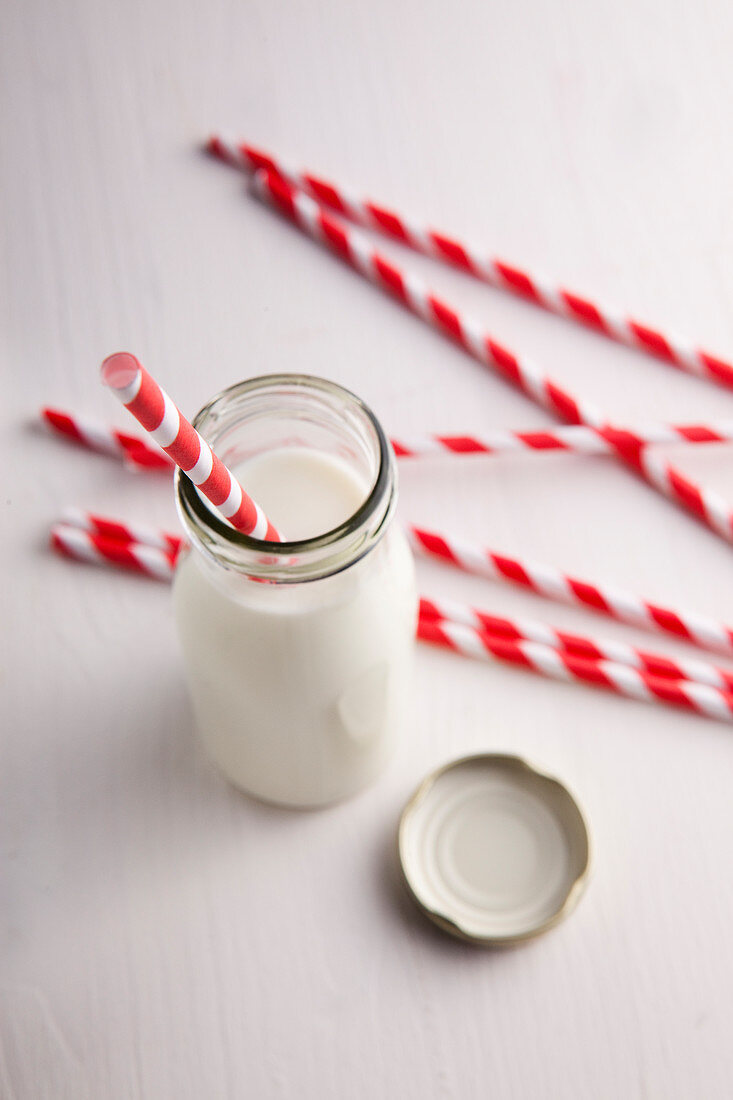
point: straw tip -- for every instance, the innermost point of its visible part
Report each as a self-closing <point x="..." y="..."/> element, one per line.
<point x="120" y="370"/>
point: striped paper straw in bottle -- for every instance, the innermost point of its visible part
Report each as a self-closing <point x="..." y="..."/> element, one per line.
<point x="155" y="411"/>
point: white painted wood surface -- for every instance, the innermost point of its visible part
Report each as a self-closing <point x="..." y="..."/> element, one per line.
<point x="163" y="937"/>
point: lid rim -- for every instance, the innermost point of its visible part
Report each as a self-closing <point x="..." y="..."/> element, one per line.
<point x="453" y="926"/>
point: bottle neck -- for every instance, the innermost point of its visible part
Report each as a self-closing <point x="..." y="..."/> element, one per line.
<point x="280" y="411"/>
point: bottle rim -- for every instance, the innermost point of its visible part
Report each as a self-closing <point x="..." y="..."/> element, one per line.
<point x="355" y="536"/>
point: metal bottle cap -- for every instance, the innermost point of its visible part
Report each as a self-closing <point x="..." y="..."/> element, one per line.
<point x="493" y="850"/>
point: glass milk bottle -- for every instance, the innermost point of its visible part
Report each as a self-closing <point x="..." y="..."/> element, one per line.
<point x="298" y="654"/>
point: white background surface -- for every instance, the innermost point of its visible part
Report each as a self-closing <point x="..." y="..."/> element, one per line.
<point x="163" y="937"/>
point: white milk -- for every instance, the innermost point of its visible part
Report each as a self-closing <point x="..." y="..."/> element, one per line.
<point x="301" y="691"/>
<point x="304" y="492"/>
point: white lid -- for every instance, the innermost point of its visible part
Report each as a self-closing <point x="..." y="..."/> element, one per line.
<point x="493" y="850"/>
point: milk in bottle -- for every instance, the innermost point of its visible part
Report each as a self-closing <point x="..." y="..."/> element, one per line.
<point x="298" y="654"/>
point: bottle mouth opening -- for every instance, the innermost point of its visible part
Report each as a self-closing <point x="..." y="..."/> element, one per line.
<point x="310" y="403"/>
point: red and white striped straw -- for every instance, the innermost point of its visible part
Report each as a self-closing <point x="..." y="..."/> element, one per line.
<point x="632" y="683"/>
<point x="589" y="649"/>
<point x="545" y="580"/>
<point x="82" y="546"/>
<point x="130" y="448"/>
<point x="152" y="407"/>
<point x="574" y="438"/>
<point x="667" y="346"/>
<point x="355" y="248"/>
<point x="112" y="530"/>
<point x="120" y="531"/>
<point x="102" y="550"/>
